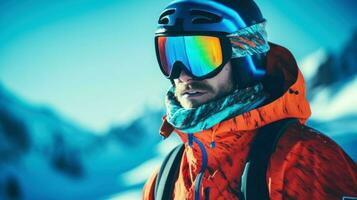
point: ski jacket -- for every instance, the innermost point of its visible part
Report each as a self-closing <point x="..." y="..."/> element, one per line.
<point x="305" y="165"/>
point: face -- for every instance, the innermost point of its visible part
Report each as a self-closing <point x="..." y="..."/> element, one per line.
<point x="192" y="93"/>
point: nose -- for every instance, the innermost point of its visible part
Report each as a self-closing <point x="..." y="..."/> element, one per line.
<point x="184" y="77"/>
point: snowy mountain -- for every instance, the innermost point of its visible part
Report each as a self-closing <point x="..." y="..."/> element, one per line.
<point x="45" y="156"/>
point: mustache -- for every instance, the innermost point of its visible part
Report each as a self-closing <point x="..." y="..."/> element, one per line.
<point x="182" y="88"/>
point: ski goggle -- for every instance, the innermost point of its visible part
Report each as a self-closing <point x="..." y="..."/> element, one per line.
<point x="199" y="56"/>
<point x="202" y="56"/>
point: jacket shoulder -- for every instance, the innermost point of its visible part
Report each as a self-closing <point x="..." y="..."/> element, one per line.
<point x="316" y="143"/>
<point x="309" y="165"/>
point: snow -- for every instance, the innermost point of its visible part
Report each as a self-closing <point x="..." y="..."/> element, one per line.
<point x="141" y="173"/>
<point x="310" y="64"/>
<point x="330" y="103"/>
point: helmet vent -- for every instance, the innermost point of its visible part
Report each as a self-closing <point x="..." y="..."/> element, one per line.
<point x="204" y="17"/>
<point x="164" y="19"/>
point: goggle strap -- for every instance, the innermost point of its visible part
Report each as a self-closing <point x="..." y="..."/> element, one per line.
<point x="249" y="41"/>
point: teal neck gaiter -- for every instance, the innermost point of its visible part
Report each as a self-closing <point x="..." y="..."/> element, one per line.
<point x="207" y="115"/>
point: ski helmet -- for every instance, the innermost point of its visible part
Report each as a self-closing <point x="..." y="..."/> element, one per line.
<point x="218" y="18"/>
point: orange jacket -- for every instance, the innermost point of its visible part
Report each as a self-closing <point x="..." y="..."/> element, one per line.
<point x="305" y="165"/>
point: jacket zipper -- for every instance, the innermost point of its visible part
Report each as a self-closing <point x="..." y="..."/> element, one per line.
<point x="192" y="139"/>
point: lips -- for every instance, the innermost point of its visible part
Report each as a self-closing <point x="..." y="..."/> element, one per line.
<point x="192" y="93"/>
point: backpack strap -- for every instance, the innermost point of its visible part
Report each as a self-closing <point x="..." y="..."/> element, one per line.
<point x="168" y="172"/>
<point x="253" y="179"/>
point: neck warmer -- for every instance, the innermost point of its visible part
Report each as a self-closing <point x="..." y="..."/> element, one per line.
<point x="207" y="115"/>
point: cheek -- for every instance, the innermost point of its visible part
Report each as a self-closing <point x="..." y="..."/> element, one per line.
<point x="219" y="89"/>
<point x="225" y="88"/>
<point x="224" y="85"/>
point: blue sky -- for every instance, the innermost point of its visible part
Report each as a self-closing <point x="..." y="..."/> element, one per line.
<point x="94" y="62"/>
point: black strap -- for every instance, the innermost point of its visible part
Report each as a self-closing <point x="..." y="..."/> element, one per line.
<point x="253" y="179"/>
<point x="167" y="175"/>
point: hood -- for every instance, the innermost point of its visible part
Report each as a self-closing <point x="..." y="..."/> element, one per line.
<point x="284" y="83"/>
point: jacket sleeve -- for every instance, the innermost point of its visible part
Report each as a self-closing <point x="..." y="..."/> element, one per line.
<point x="315" y="167"/>
<point x="149" y="187"/>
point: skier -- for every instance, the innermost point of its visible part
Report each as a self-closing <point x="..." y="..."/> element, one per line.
<point x="238" y="103"/>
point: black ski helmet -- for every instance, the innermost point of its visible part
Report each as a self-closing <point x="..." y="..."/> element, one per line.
<point x="217" y="17"/>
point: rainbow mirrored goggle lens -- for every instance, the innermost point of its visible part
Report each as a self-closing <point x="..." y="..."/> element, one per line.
<point x="200" y="55"/>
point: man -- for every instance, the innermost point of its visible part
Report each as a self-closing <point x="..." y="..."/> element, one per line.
<point x="231" y="88"/>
